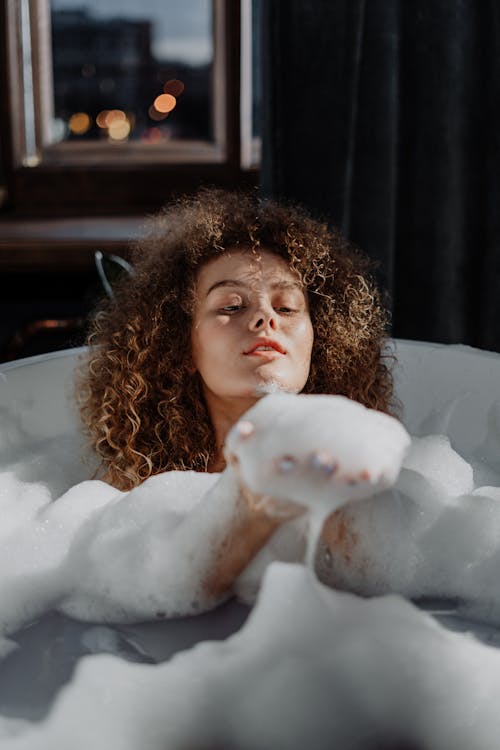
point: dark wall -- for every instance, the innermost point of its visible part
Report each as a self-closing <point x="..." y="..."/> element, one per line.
<point x="41" y="312"/>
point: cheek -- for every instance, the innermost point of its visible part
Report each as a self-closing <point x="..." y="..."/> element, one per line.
<point x="305" y="353"/>
<point x="305" y="335"/>
<point x="210" y="344"/>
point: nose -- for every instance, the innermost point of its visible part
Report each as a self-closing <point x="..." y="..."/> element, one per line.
<point x="263" y="317"/>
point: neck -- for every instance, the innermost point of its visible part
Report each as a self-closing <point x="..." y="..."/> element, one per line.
<point x="224" y="413"/>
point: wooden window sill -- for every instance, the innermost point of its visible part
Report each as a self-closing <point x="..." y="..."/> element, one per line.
<point x="66" y="244"/>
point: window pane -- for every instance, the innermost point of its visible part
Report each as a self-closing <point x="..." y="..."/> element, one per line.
<point x="143" y="72"/>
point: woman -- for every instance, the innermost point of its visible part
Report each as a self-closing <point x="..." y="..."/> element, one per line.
<point x="231" y="298"/>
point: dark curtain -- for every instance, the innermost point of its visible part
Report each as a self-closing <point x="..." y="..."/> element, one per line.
<point x="383" y="117"/>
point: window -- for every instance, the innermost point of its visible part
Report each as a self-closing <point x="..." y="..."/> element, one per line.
<point x="132" y="75"/>
<point x="109" y="111"/>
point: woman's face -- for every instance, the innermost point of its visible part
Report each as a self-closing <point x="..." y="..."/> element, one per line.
<point x="252" y="332"/>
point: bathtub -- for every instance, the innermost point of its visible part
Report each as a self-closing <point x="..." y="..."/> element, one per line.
<point x="442" y="388"/>
<point x="448" y="389"/>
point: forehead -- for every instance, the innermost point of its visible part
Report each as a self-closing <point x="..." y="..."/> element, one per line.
<point x="250" y="267"/>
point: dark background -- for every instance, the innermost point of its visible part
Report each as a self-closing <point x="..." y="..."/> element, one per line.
<point x="381" y="116"/>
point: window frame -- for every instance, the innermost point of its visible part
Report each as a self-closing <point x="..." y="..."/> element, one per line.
<point x="69" y="178"/>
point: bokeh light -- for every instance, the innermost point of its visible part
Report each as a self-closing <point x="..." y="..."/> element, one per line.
<point x="101" y="118"/>
<point x="155" y="115"/>
<point x="79" y="123"/>
<point x="165" y="103"/>
<point x="114" y="115"/>
<point x="119" y="130"/>
<point x="174" y="87"/>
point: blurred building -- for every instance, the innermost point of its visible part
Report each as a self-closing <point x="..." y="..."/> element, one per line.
<point x="106" y="64"/>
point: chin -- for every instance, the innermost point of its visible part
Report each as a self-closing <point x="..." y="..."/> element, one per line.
<point x="273" y="385"/>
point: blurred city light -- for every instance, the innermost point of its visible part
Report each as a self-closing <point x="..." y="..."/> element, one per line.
<point x="115" y="69"/>
<point x="114" y="115"/>
<point x="119" y="130"/>
<point x="174" y="87"/>
<point x="155" y="115"/>
<point x="79" y="123"/>
<point x="101" y="118"/>
<point x="165" y="103"/>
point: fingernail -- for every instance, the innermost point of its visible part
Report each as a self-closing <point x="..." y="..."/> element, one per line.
<point x="245" y="428"/>
<point x="324" y="463"/>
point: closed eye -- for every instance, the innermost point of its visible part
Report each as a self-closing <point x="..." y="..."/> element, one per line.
<point x="230" y="308"/>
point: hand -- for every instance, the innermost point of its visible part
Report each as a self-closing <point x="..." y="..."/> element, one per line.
<point x="315" y="450"/>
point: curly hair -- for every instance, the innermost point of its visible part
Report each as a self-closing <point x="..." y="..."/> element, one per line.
<point x="141" y="403"/>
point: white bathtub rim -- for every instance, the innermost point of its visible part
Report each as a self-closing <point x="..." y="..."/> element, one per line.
<point x="38" y="358"/>
<point x="393" y="345"/>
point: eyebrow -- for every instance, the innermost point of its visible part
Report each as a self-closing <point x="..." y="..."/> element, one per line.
<point x="235" y="282"/>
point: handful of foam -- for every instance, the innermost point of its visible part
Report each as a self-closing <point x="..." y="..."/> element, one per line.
<point x="316" y="450"/>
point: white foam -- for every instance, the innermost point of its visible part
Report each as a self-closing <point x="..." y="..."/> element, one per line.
<point x="100" y="554"/>
<point x="312" y="665"/>
<point x="419" y="542"/>
<point x="433" y="457"/>
<point x="357" y="440"/>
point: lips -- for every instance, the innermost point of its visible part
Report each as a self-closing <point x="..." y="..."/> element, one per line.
<point x="260" y="346"/>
